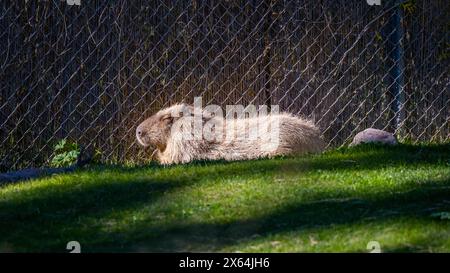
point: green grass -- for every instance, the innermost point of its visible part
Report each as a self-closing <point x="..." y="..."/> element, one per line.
<point x="334" y="202"/>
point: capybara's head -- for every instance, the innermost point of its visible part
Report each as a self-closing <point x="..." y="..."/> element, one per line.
<point x="155" y="131"/>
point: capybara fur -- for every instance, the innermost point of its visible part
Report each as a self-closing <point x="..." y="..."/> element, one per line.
<point x="166" y="132"/>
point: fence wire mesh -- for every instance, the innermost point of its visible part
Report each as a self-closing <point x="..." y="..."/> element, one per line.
<point x="92" y="72"/>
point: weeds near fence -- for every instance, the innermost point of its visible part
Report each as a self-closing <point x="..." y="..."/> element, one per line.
<point x="91" y="73"/>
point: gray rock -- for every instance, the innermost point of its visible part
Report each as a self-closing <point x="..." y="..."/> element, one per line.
<point x="31" y="173"/>
<point x="374" y="136"/>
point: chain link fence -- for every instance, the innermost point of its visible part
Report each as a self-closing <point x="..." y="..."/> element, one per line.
<point x="92" y="72"/>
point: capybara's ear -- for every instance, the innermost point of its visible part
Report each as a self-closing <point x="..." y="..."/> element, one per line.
<point x="188" y="108"/>
<point x="167" y="119"/>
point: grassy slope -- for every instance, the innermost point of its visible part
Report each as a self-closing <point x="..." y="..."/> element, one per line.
<point x="338" y="201"/>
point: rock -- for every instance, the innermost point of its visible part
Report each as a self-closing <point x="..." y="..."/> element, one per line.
<point x="31" y="173"/>
<point x="83" y="159"/>
<point x="374" y="136"/>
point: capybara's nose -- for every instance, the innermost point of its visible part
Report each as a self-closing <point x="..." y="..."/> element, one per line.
<point x="140" y="134"/>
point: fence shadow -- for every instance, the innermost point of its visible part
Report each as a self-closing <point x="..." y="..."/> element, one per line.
<point x="60" y="208"/>
<point x="363" y="157"/>
<point x="308" y="217"/>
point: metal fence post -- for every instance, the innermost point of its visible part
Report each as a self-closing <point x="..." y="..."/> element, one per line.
<point x="394" y="49"/>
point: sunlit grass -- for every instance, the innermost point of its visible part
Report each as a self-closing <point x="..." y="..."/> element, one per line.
<point x="337" y="201"/>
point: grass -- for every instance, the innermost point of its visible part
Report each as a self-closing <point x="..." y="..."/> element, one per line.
<point x="334" y="202"/>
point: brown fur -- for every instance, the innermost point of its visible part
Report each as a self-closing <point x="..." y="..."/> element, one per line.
<point x="162" y="132"/>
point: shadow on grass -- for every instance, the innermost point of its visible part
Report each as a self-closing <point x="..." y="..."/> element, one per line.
<point x="363" y="157"/>
<point x="94" y="199"/>
<point x="29" y="223"/>
<point x="417" y="204"/>
<point x="368" y="157"/>
<point x="36" y="222"/>
<point x="372" y="157"/>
